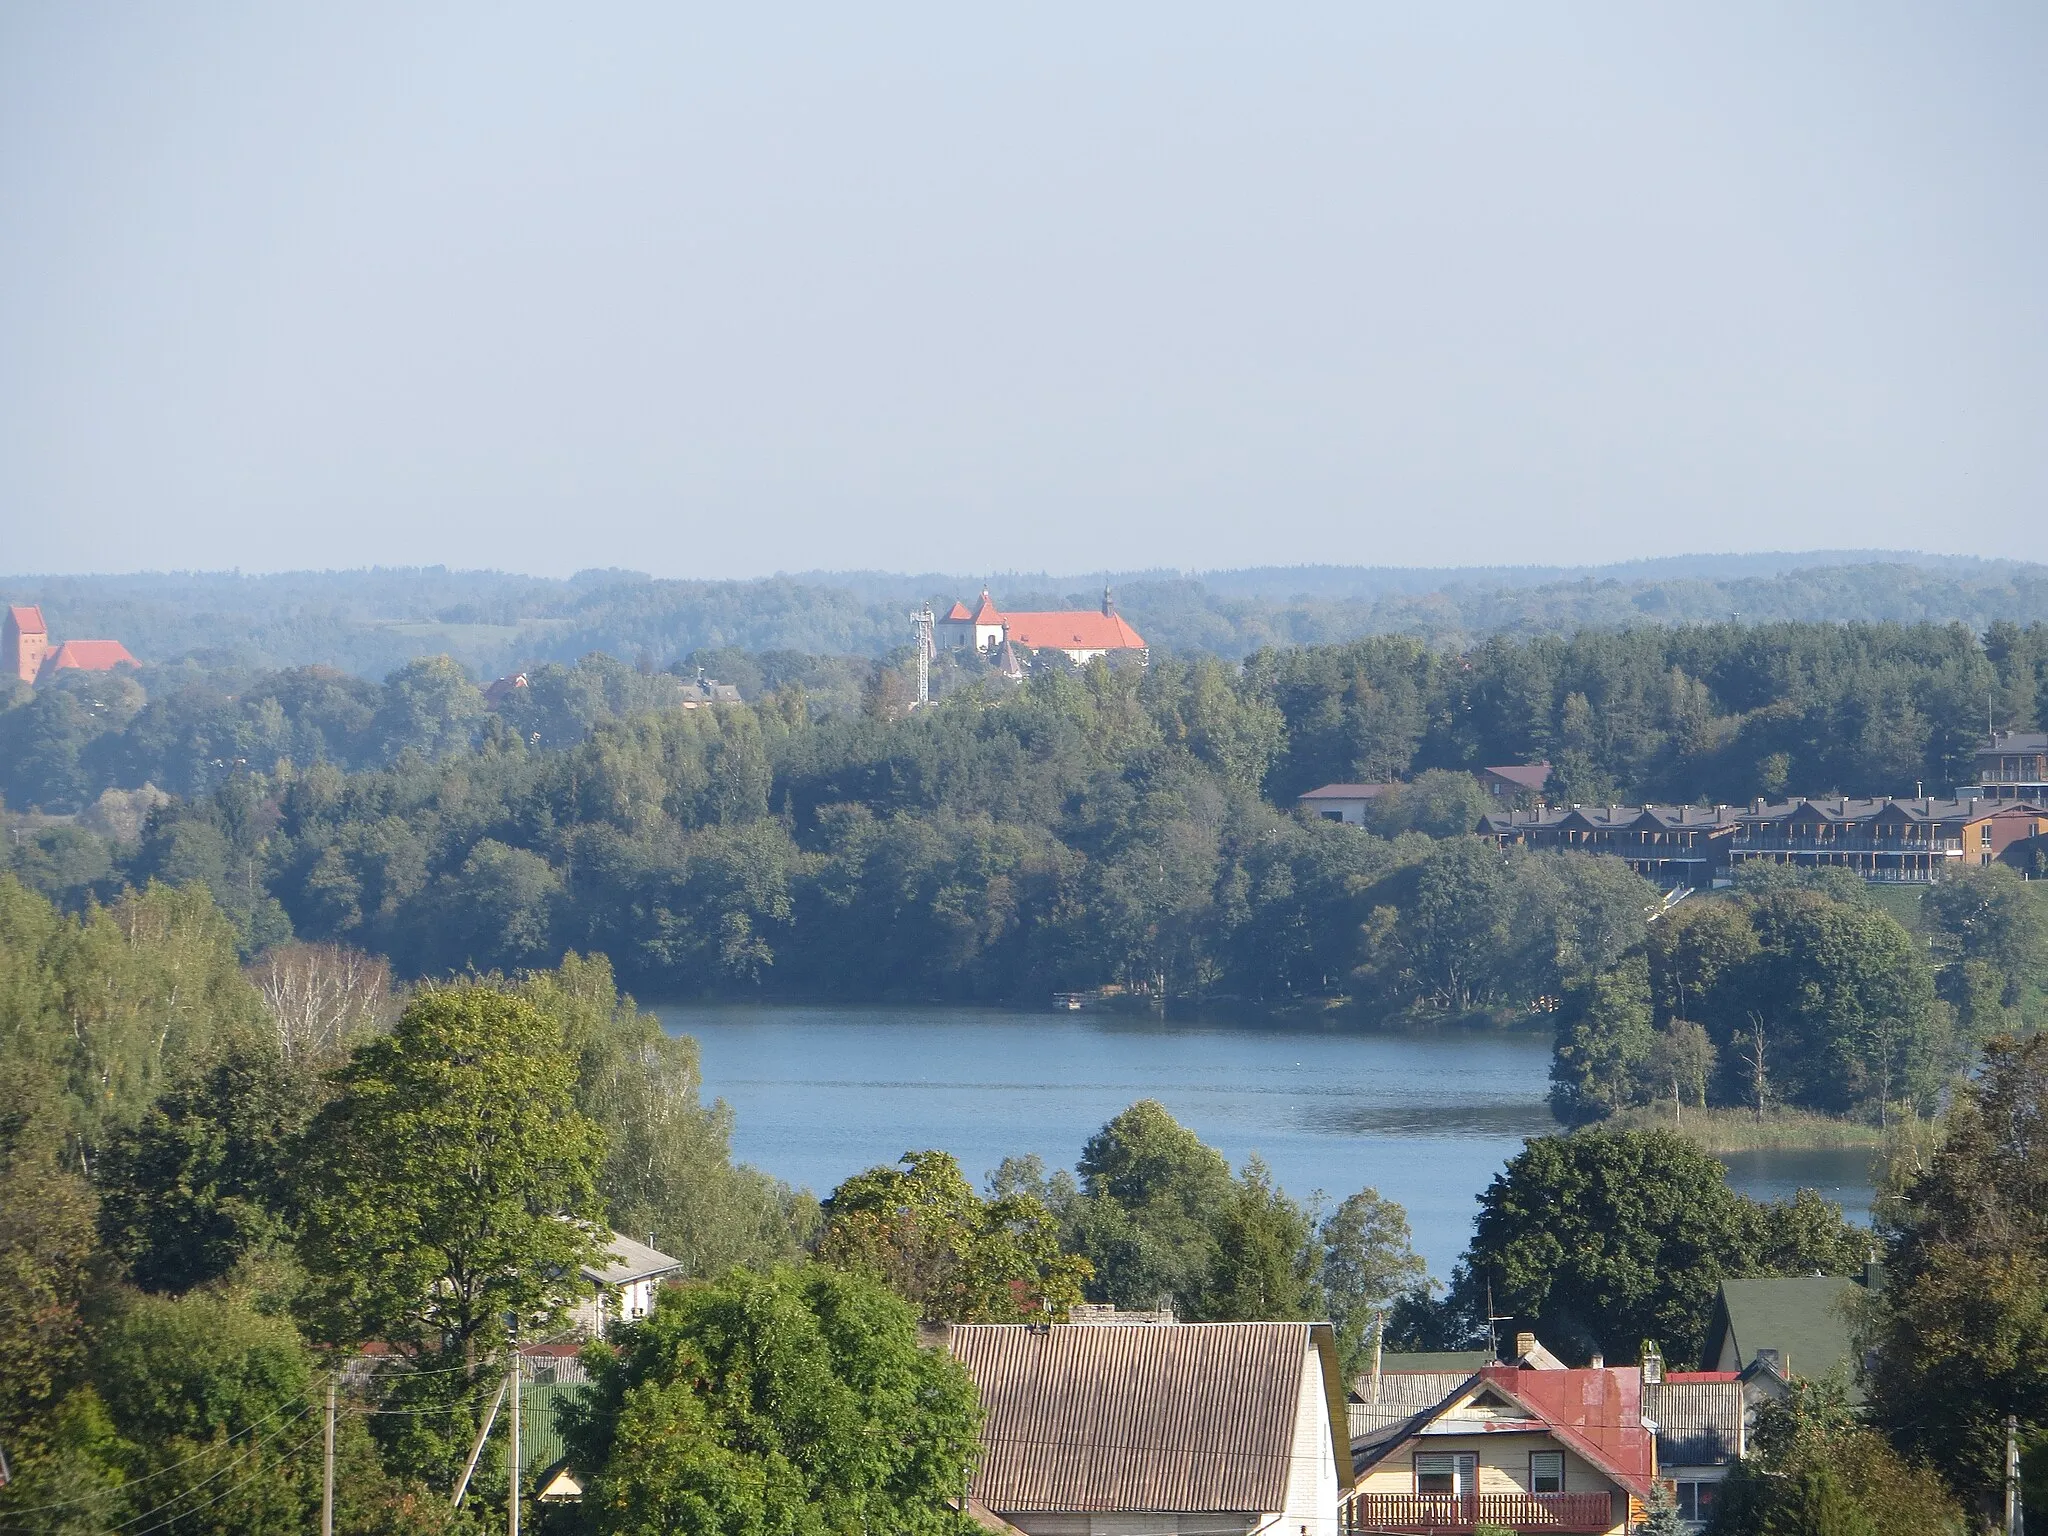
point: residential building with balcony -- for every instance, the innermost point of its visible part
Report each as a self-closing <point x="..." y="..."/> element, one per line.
<point x="1670" y="845"/>
<point x="2011" y="765"/>
<point x="1520" y="1448"/>
<point x="1915" y="841"/>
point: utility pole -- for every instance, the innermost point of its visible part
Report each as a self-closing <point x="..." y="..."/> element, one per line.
<point x="477" y="1450"/>
<point x="2015" y="1515"/>
<point x="517" y="1477"/>
<point x="327" y="1473"/>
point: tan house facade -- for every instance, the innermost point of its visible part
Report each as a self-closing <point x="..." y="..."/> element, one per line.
<point x="1528" y="1450"/>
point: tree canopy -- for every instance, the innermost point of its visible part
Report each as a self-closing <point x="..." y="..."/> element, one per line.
<point x="795" y="1400"/>
<point x="451" y="1180"/>
<point x="1601" y="1239"/>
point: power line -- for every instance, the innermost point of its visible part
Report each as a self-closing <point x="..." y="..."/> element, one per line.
<point x="199" y="1455"/>
<point x="194" y="1509"/>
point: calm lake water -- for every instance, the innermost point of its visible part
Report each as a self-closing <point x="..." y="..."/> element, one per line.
<point x="1427" y="1119"/>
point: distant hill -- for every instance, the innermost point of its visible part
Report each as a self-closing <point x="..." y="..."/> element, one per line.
<point x="369" y="621"/>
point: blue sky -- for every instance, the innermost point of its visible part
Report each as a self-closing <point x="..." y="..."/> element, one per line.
<point x="725" y="290"/>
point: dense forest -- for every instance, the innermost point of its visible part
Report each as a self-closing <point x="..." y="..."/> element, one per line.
<point x="369" y="622"/>
<point x="1102" y="827"/>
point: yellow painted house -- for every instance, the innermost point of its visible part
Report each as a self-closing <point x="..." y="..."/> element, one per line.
<point x="1528" y="1449"/>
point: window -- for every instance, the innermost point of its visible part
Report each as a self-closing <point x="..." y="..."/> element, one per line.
<point x="1455" y="1473"/>
<point x="1546" y="1471"/>
<point x="1984" y="835"/>
<point x="1697" y="1502"/>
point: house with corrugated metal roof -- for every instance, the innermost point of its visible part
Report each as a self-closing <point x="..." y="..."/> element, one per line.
<point x="1511" y="1446"/>
<point x="623" y="1286"/>
<point x="1702" y="1428"/>
<point x="1184" y="1429"/>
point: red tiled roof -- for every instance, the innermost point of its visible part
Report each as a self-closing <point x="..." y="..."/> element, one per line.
<point x="958" y="614"/>
<point x="28" y="620"/>
<point x="1599" y="1414"/>
<point x="1684" y="1376"/>
<point x="1082" y="631"/>
<point x="89" y="656"/>
<point x="986" y="613"/>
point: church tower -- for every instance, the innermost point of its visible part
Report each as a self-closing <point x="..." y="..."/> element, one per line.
<point x="24" y="642"/>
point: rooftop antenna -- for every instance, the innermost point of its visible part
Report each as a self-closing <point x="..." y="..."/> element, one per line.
<point x="921" y="626"/>
<point x="1492" y="1317"/>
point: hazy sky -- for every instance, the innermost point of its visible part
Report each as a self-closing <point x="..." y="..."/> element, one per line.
<point x="728" y="289"/>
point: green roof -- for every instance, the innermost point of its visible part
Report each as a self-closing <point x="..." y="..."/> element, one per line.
<point x="1807" y="1320"/>
<point x="540" y="1443"/>
<point x="1427" y="1361"/>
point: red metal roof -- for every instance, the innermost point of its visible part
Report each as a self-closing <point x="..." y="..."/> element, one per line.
<point x="28" y="620"/>
<point x="89" y="656"/>
<point x="1598" y="1414"/>
<point x="1084" y="630"/>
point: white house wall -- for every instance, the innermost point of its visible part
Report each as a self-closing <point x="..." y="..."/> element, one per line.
<point x="1312" y="1475"/>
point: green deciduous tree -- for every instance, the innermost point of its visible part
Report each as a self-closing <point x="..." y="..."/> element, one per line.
<point x="1601" y="1239"/>
<point x="204" y="1178"/>
<point x="1814" y="1466"/>
<point x="1605" y="1043"/>
<point x="1962" y="1323"/>
<point x="1368" y="1264"/>
<point x="668" y="1169"/>
<point x="920" y="1229"/>
<point x="1267" y="1262"/>
<point x="452" y="1179"/>
<point x="796" y="1401"/>
<point x="1150" y="1190"/>
<point x="46" y="1257"/>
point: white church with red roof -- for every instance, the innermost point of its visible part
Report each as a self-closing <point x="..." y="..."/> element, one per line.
<point x="1083" y="634"/>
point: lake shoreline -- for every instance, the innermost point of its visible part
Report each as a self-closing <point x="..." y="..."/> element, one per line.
<point x="1426" y="1114"/>
<point x="1737" y="1130"/>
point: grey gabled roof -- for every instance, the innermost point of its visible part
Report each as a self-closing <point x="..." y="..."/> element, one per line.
<point x="630" y="1261"/>
<point x="1188" y="1417"/>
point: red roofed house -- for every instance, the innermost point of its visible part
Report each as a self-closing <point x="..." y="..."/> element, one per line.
<point x="87" y="656"/>
<point x="28" y="654"/>
<point x="1548" y="1450"/>
<point x="1083" y="634"/>
<point x="26" y="640"/>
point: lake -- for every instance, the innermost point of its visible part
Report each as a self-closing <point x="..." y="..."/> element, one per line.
<point x="1427" y="1118"/>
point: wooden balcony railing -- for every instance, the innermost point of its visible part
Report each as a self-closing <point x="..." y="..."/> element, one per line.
<point x="1442" y="1514"/>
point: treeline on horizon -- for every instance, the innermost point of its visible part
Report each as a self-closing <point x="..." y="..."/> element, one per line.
<point x="370" y="622"/>
<point x="1107" y="826"/>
